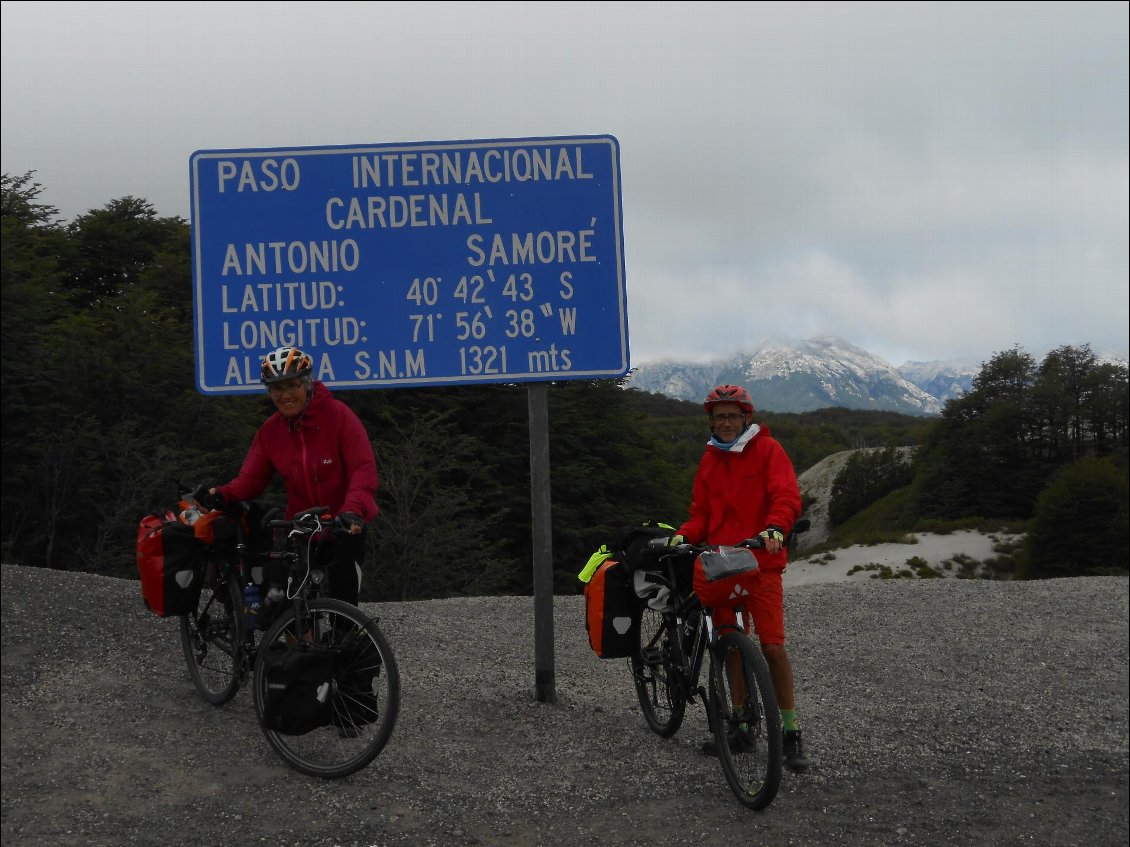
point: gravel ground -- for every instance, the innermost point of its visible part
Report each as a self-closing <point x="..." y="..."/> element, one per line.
<point x="939" y="712"/>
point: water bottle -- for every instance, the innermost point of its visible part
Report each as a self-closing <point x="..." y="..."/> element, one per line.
<point x="251" y="605"/>
<point x="272" y="605"/>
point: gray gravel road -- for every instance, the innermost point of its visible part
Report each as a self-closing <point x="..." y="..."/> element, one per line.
<point x="939" y="712"/>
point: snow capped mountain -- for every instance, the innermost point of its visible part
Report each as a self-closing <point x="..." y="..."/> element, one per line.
<point x="800" y="376"/>
<point x="944" y="380"/>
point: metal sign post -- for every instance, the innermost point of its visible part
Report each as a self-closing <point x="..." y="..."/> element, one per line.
<point x="544" y="675"/>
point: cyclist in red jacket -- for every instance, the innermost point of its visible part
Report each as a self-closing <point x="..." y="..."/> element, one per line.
<point x="320" y="448"/>
<point x="746" y="486"/>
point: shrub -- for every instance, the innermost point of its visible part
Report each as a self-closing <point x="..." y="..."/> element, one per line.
<point x="1081" y="526"/>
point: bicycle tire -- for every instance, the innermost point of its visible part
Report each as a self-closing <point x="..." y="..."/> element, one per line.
<point x="212" y="637"/>
<point x="661" y="695"/>
<point x="748" y="739"/>
<point x="356" y="734"/>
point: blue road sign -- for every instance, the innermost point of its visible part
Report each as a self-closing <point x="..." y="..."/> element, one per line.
<point x="397" y="265"/>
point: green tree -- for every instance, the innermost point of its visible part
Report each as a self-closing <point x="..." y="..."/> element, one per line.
<point x="100" y="411"/>
<point x="1082" y="522"/>
<point x="1107" y="408"/>
<point x="867" y="476"/>
<point x="120" y="245"/>
<point x="30" y="309"/>
<point x="1061" y="393"/>
<point x="606" y="471"/>
<point x="433" y="538"/>
<point x="984" y="458"/>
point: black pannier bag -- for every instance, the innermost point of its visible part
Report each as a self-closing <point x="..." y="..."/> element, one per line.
<point x="299" y="687"/>
<point x="630" y="544"/>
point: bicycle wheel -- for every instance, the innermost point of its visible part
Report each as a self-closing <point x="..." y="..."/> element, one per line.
<point x="364" y="696"/>
<point x="746" y="720"/>
<point x="658" y="687"/>
<point x="212" y="637"/>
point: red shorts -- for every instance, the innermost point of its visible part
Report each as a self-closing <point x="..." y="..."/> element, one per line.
<point x="759" y="592"/>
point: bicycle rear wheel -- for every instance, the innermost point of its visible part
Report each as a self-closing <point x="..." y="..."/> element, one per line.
<point x="746" y="720"/>
<point x="658" y="687"/>
<point x="364" y="696"/>
<point x="212" y="637"/>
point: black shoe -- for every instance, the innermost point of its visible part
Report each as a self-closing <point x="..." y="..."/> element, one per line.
<point x="795" y="760"/>
<point x="738" y="743"/>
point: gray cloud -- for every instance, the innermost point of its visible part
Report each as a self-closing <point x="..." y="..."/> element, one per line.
<point x="925" y="180"/>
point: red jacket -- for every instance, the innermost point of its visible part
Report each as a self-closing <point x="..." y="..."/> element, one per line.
<point x="325" y="459"/>
<point x="741" y="491"/>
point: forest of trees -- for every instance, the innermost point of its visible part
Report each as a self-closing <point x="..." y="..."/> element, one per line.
<point x="101" y="418"/>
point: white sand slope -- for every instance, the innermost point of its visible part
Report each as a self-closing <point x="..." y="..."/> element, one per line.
<point x="934" y="549"/>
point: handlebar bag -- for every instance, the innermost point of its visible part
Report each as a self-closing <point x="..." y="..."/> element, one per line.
<point x="727" y="561"/>
<point x="299" y="688"/>
<point x="170" y="563"/>
<point x="724" y="578"/>
<point x="612" y="611"/>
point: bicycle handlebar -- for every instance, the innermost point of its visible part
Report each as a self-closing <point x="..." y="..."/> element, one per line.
<point x="309" y="521"/>
<point x="306" y="522"/>
<point x="755" y="543"/>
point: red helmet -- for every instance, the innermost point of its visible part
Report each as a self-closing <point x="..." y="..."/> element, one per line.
<point x="729" y="394"/>
<point x="285" y="363"/>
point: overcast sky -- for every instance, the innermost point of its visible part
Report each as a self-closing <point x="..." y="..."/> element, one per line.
<point x="927" y="181"/>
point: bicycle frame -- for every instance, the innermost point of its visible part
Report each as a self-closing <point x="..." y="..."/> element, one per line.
<point x="706" y="635"/>
<point x="239" y="563"/>
<point x="301" y="569"/>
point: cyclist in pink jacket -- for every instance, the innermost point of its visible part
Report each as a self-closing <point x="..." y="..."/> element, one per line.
<point x="320" y="448"/>
<point x="746" y="486"/>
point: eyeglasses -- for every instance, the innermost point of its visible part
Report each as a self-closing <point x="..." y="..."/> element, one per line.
<point x="727" y="418"/>
<point x="285" y="387"/>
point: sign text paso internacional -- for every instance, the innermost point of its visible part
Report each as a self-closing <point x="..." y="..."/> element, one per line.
<point x="411" y="264"/>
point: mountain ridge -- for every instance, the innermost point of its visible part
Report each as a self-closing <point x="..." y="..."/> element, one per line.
<point x="790" y="375"/>
<point x="800" y="376"/>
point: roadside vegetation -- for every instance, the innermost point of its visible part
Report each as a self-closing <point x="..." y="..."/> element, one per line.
<point x="1032" y="449"/>
<point x="102" y="418"/>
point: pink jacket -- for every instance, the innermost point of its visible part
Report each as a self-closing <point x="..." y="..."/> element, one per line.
<point x="741" y="491"/>
<point x="325" y="459"/>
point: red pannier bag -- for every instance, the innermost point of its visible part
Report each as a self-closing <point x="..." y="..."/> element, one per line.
<point x="612" y="612"/>
<point x="170" y="562"/>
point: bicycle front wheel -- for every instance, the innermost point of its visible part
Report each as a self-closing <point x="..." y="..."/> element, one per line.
<point x="745" y="719"/>
<point x="212" y="637"/>
<point x="662" y="697"/>
<point x="364" y="697"/>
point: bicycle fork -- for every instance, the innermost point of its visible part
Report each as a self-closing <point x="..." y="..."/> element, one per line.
<point x="730" y="674"/>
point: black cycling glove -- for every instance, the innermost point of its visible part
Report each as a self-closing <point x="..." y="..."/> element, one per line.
<point x="205" y="498"/>
<point x="347" y="520"/>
